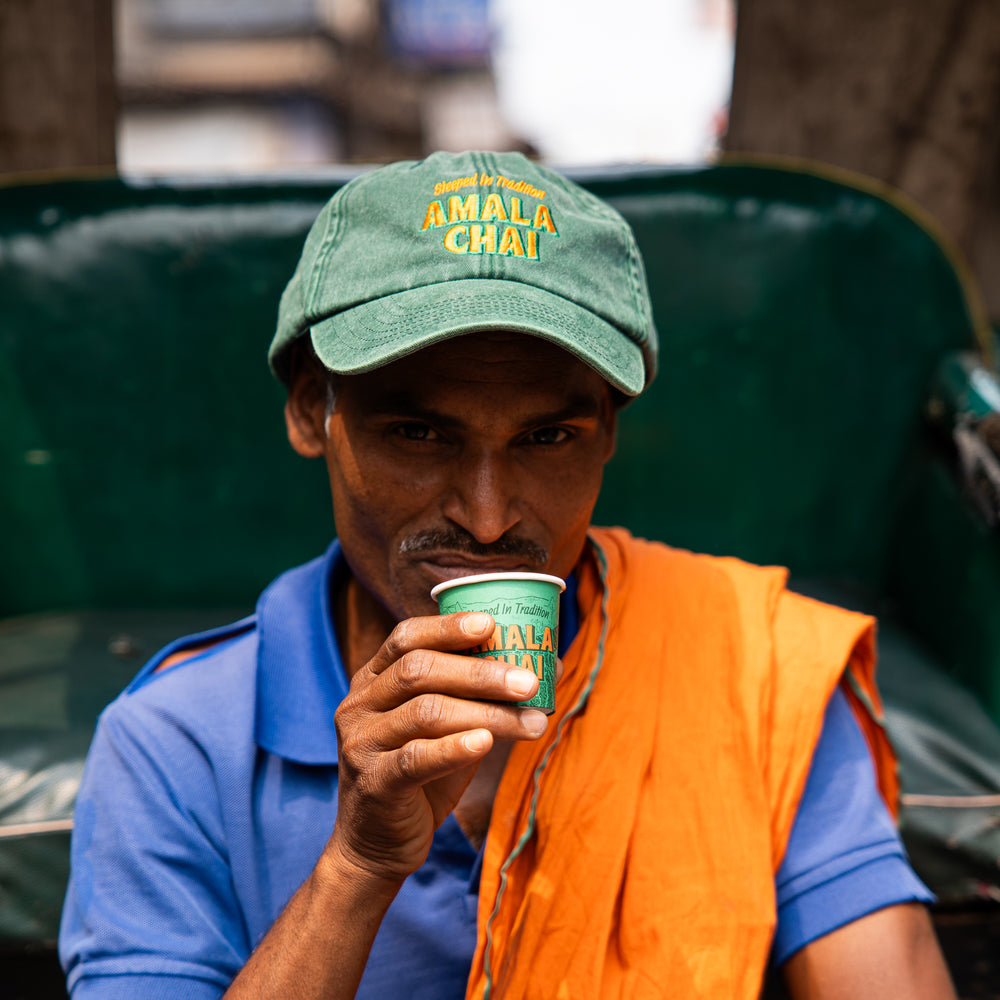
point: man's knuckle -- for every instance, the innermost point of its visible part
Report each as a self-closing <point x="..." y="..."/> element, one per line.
<point x="352" y="750"/>
<point x="496" y="715"/>
<point x="400" y="639"/>
<point x="413" y="669"/>
<point x="502" y="717"/>
<point x="341" y="723"/>
<point x="408" y="760"/>
<point x="487" y="671"/>
<point x="354" y="704"/>
<point x="347" y="717"/>
<point x="427" y="710"/>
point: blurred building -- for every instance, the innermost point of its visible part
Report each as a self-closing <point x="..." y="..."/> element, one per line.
<point x="259" y="85"/>
<point x="250" y="85"/>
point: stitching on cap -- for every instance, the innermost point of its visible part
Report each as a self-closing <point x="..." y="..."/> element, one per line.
<point x="633" y="260"/>
<point x="329" y="241"/>
<point x="611" y="214"/>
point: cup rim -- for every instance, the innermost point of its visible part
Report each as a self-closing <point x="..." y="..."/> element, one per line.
<point x="461" y="581"/>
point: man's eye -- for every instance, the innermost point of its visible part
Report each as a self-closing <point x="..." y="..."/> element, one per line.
<point x="549" y="435"/>
<point x="417" y="432"/>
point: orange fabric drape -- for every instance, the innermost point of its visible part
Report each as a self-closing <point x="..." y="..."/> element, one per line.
<point x="632" y="850"/>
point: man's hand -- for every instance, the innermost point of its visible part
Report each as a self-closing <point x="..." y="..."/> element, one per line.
<point x="411" y="732"/>
<point x="418" y="719"/>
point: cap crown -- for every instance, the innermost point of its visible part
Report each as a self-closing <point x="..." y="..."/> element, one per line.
<point x="392" y="253"/>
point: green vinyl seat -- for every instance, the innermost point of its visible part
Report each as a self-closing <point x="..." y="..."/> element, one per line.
<point x="804" y="319"/>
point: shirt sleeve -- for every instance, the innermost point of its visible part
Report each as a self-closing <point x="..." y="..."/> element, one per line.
<point x="150" y="909"/>
<point x="844" y="858"/>
<point x="146" y="987"/>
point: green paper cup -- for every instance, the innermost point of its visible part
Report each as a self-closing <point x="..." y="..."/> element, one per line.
<point x="525" y="607"/>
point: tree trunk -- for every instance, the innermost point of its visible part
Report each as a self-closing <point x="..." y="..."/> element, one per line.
<point x="57" y="88"/>
<point x="906" y="92"/>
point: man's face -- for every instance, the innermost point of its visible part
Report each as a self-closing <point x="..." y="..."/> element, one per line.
<point x="483" y="453"/>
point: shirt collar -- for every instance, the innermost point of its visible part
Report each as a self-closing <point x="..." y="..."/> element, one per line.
<point x="300" y="677"/>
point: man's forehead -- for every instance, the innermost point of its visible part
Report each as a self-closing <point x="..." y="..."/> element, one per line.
<point x="538" y="374"/>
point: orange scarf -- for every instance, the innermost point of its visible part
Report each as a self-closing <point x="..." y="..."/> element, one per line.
<point x="632" y="850"/>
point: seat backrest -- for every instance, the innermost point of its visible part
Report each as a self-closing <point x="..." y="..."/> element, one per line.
<point x="801" y="318"/>
<point x="143" y="454"/>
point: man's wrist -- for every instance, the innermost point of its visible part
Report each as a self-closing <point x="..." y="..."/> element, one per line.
<point x="341" y="873"/>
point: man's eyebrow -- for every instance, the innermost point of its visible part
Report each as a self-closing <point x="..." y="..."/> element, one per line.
<point x="402" y="404"/>
<point x="578" y="407"/>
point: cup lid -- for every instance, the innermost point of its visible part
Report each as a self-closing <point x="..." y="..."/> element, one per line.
<point x="461" y="581"/>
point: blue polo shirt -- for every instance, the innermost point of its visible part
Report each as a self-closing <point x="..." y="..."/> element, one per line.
<point x="211" y="788"/>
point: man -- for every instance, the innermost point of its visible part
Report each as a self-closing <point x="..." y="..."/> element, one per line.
<point x="328" y="799"/>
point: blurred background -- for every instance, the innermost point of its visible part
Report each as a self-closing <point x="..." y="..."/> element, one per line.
<point x="258" y="85"/>
<point x="903" y="92"/>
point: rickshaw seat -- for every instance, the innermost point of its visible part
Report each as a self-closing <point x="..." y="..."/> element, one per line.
<point x="149" y="489"/>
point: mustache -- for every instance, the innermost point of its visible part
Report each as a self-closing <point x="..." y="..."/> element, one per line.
<point x="457" y="540"/>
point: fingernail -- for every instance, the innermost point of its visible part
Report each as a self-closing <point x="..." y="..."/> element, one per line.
<point x="476" y="624"/>
<point x="476" y="741"/>
<point x="520" y="681"/>
<point x="534" y="721"/>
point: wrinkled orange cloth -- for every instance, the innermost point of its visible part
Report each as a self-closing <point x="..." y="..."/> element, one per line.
<point x="632" y="850"/>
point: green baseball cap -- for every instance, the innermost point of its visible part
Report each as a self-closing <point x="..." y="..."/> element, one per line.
<point x="417" y="252"/>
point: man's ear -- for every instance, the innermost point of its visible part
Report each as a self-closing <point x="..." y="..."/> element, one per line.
<point x="305" y="412"/>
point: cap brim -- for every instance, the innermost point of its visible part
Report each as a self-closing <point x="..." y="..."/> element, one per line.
<point x="376" y="333"/>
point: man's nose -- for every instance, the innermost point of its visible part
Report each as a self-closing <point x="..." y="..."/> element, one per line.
<point x="482" y="497"/>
